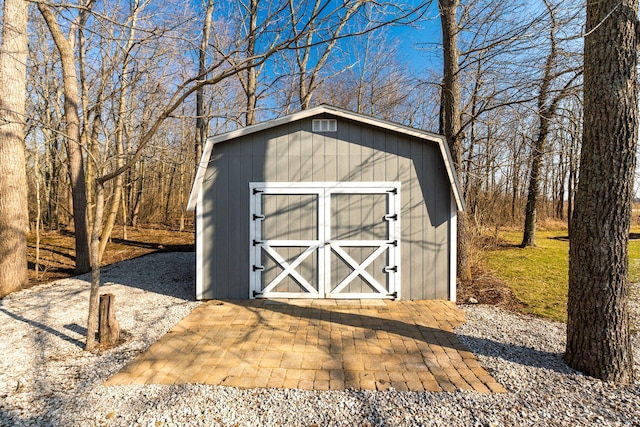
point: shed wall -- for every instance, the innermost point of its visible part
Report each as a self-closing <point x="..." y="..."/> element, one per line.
<point x="356" y="152"/>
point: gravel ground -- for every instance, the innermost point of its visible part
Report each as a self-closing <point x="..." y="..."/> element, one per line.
<point x="47" y="379"/>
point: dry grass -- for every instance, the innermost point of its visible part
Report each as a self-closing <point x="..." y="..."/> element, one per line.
<point x="57" y="249"/>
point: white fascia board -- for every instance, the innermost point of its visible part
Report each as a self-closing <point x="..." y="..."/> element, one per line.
<point x="200" y="173"/>
<point x="456" y="188"/>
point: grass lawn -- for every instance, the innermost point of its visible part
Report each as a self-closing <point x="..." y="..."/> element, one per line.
<point x="538" y="276"/>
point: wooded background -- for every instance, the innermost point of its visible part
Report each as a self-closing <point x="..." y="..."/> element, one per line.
<point x="519" y="71"/>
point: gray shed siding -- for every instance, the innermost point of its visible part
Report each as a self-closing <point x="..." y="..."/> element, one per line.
<point x="357" y="152"/>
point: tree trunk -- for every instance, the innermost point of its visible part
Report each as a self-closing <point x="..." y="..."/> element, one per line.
<point x="167" y="203"/>
<point x="182" y="159"/>
<point x="561" y="180"/>
<point x="94" y="296"/>
<point x="74" y="151"/>
<point x="38" y="219"/>
<point x="545" y="114"/>
<point x="51" y="170"/>
<point x="181" y="196"/>
<point x="124" y="216"/>
<point x="450" y="119"/>
<point x="13" y="176"/>
<point x="598" y="341"/>
<point x="529" y="236"/>
<point x="201" y="123"/>
<point x="108" y="327"/>
<point x="85" y="133"/>
<point x="515" y="181"/>
<point x="112" y="211"/>
<point x="252" y="72"/>
<point x="137" y="195"/>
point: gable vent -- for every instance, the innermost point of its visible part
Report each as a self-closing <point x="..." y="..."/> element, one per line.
<point x="325" y="125"/>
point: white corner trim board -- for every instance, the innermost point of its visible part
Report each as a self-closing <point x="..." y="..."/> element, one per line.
<point x="199" y="249"/>
<point x="453" y="250"/>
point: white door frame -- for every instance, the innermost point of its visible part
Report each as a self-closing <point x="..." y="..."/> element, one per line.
<point x="324" y="244"/>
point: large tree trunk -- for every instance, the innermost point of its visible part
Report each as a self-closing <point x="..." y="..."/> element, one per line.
<point x="85" y="133"/>
<point x="202" y="124"/>
<point x="450" y="119"/>
<point x="598" y="312"/>
<point x="13" y="176"/>
<point x="74" y="151"/>
<point x="251" y="86"/>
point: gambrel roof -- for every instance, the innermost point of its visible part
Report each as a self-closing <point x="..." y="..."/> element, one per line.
<point x="337" y="113"/>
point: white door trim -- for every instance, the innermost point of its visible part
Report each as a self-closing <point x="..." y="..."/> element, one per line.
<point x="324" y="245"/>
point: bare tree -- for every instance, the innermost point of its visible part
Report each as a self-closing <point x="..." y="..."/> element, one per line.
<point x="251" y="83"/>
<point x="477" y="46"/>
<point x="201" y="123"/>
<point x="65" y="48"/>
<point x="376" y="84"/>
<point x="314" y="29"/>
<point x="450" y="120"/>
<point x="308" y="74"/>
<point x="574" y="128"/>
<point x="256" y="34"/>
<point x="598" y="336"/>
<point x="13" y="177"/>
<point x="121" y="117"/>
<point x="548" y="101"/>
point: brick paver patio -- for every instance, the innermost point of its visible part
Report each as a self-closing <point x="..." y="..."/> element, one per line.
<point x="314" y="345"/>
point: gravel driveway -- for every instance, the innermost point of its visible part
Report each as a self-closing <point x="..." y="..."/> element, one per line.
<point x="47" y="379"/>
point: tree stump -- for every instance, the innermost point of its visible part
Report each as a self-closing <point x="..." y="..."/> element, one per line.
<point x="108" y="327"/>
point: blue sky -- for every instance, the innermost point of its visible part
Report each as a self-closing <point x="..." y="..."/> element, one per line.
<point x="421" y="41"/>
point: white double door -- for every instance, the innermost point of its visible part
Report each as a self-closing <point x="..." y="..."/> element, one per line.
<point x="324" y="240"/>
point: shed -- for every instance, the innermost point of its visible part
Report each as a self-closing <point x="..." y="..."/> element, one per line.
<point x="326" y="203"/>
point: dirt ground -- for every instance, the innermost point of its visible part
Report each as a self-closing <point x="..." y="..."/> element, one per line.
<point x="57" y="249"/>
<point x="484" y="287"/>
